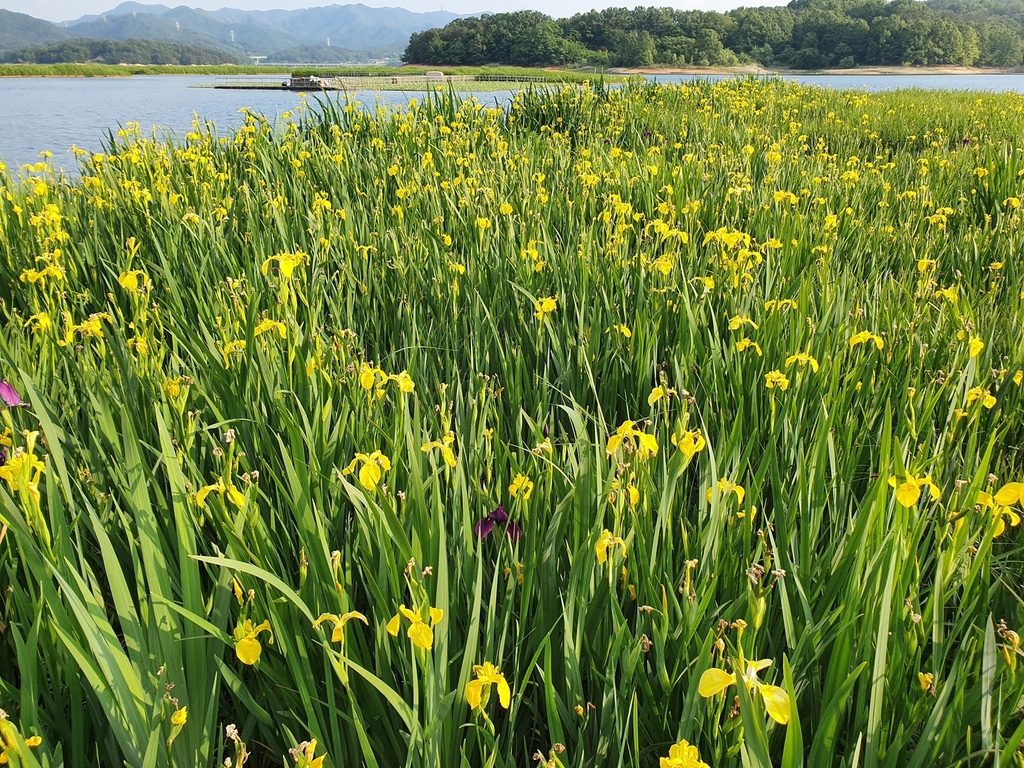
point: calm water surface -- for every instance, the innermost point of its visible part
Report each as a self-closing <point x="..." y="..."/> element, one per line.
<point x="52" y="113"/>
<point x="995" y="83"/>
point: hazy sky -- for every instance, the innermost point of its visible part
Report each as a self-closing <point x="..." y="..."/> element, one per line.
<point x="61" y="10"/>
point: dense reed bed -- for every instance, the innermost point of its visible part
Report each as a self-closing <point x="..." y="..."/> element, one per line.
<point x="453" y="435"/>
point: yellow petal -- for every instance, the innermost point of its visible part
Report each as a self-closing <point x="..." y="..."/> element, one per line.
<point x="235" y="496"/>
<point x="656" y="394"/>
<point x="366" y="377"/>
<point x="347" y="617"/>
<point x="448" y="455"/>
<point x="393" y="625"/>
<point x="422" y="636"/>
<point x="634" y="496"/>
<point x="324" y="617"/>
<point x="649" y="443"/>
<point x="1009" y="494"/>
<point x="776" y="701"/>
<point x="436" y="614"/>
<point x="504" y="693"/>
<point x="248" y="650"/>
<point x="369" y="475"/>
<point x="714" y="681"/>
<point x="908" y="494"/>
<point x="474" y="689"/>
<point x="613" y="443"/>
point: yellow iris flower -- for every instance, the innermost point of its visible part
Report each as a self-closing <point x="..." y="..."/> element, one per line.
<point x="286" y="263"/>
<point x="368" y="376"/>
<point x="977" y="393"/>
<point x="908" y="492"/>
<point x="374" y="464"/>
<point x="521" y="486"/>
<point x="269" y="325"/>
<point x="445" y="446"/>
<point x="606" y="542"/>
<point x="421" y="633"/>
<point x="863" y="337"/>
<point x="404" y="381"/>
<point x="725" y="487"/>
<point x="658" y="393"/>
<point x="338" y="635"/>
<point x="180" y="716"/>
<point x="739" y="321"/>
<point x="306" y="757"/>
<point x="682" y="755"/>
<point x="776" y="379"/>
<point x="689" y="443"/>
<point x="803" y="359"/>
<point x="744" y="344"/>
<point x="247" y="642"/>
<point x="234" y="495"/>
<point x="776" y="701"/>
<point x="644" y="444"/>
<point x="1001" y="506"/>
<point x="545" y="306"/>
<point x="487" y="675"/>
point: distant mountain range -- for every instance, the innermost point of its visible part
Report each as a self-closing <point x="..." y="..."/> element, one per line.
<point x="242" y="33"/>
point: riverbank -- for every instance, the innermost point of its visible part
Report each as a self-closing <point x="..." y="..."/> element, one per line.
<point x="130" y="70"/>
<point x="550" y="74"/>
<point x="754" y="69"/>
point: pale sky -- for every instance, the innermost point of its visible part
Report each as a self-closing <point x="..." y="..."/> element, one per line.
<point x="66" y="10"/>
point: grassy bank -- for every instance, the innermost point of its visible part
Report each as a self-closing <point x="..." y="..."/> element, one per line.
<point x="548" y="75"/>
<point x="454" y="436"/>
<point x="126" y="70"/>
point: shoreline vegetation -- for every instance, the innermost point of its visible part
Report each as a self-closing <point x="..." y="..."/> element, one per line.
<point x="550" y="74"/>
<point x="667" y="425"/>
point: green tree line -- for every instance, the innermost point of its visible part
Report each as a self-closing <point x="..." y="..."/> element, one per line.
<point x="805" y="34"/>
<point x="83" y="50"/>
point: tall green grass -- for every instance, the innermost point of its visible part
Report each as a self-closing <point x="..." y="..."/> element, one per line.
<point x="422" y="240"/>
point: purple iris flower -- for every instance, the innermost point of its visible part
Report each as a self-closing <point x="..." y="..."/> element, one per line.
<point x="499" y="515"/>
<point x="10" y="395"/>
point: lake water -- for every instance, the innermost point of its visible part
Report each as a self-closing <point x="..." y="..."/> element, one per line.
<point x="52" y="113"/>
<point x="995" y="83"/>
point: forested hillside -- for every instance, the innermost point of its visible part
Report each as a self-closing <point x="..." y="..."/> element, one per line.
<point x="805" y="34"/>
<point x="82" y="50"/>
